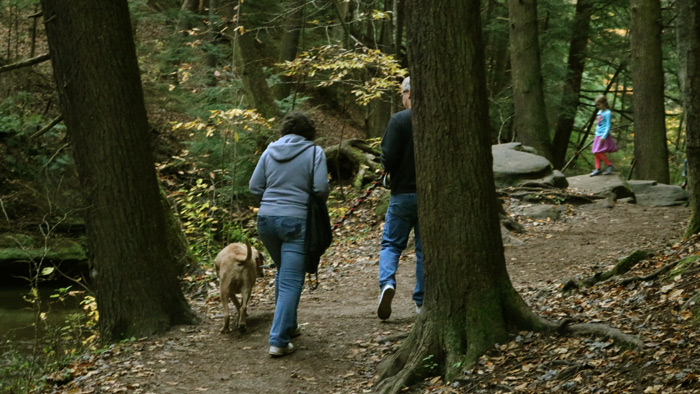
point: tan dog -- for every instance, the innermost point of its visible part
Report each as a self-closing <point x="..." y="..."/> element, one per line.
<point x="237" y="265"/>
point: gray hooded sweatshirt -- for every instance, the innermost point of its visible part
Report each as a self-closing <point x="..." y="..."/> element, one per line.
<point x="283" y="174"/>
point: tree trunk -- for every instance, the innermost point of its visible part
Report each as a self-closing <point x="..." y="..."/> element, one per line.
<point x="102" y="101"/>
<point x="470" y="303"/>
<point x="379" y="110"/>
<point x="290" y="44"/>
<point x="689" y="59"/>
<point x="497" y="49"/>
<point x="250" y="69"/>
<point x="251" y="56"/>
<point x="572" y="85"/>
<point x="530" y="118"/>
<point x="190" y="5"/>
<point x="650" y="150"/>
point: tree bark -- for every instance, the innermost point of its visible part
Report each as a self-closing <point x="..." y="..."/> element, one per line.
<point x="650" y="150"/>
<point x="689" y="59"/>
<point x="572" y="85"/>
<point x="101" y="97"/>
<point x="530" y="118"/>
<point x="470" y="303"/>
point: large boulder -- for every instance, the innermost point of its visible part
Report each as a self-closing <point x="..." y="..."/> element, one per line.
<point x="647" y="193"/>
<point x="602" y="186"/>
<point x="516" y="165"/>
<point x="653" y="194"/>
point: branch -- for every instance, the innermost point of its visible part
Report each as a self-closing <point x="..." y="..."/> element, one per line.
<point x="26" y="63"/>
<point x="620" y="268"/>
<point x="47" y="127"/>
<point x="651" y="276"/>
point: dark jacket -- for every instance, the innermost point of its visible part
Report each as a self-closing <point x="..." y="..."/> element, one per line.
<point x="397" y="153"/>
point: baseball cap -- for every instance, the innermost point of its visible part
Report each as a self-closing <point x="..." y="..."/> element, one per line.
<point x="406" y="84"/>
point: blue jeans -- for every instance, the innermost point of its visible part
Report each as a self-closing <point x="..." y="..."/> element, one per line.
<point x="284" y="240"/>
<point x="401" y="216"/>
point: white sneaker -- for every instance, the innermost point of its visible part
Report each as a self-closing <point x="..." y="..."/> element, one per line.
<point x="384" y="309"/>
<point x="419" y="308"/>
<point x="276" y="351"/>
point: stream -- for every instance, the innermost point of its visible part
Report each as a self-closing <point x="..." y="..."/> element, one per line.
<point x="17" y="316"/>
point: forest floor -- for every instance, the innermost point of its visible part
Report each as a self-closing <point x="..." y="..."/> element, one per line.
<point x="342" y="339"/>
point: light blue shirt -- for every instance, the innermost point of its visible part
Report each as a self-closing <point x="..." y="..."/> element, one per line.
<point x="602" y="128"/>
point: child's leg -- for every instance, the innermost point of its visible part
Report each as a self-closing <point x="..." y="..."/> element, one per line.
<point x="596" y="159"/>
<point x="605" y="158"/>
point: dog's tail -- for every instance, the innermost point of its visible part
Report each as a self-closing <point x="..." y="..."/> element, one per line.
<point x="249" y="252"/>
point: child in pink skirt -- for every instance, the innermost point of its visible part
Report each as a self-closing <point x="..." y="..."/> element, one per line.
<point x="603" y="142"/>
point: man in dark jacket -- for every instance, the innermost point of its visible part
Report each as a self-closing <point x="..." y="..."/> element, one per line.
<point x="402" y="215"/>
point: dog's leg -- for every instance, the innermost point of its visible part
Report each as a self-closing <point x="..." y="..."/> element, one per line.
<point x="238" y="309"/>
<point x="243" y="313"/>
<point x="224" y="304"/>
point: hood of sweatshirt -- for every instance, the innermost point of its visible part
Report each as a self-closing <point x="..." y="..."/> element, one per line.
<point x="288" y="147"/>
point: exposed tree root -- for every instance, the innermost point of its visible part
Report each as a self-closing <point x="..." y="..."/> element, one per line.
<point x="620" y="268"/>
<point x="661" y="271"/>
<point x="693" y="303"/>
<point x="605" y="331"/>
<point x="414" y="361"/>
<point x="426" y="353"/>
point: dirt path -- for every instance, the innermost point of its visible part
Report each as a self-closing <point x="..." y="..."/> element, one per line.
<point x="342" y="339"/>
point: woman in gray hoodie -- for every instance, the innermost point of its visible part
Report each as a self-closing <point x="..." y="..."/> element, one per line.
<point x="282" y="179"/>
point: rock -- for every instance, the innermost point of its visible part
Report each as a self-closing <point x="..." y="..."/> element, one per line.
<point x="515" y="165"/>
<point x="508" y="238"/>
<point x="602" y="186"/>
<point x="18" y="252"/>
<point x="653" y="194"/>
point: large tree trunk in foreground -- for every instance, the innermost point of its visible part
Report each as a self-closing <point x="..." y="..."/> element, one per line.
<point x="98" y="82"/>
<point x="470" y="303"/>
<point x="650" y="148"/>
<point x="689" y="58"/>
<point x="572" y="84"/>
<point x="530" y="118"/>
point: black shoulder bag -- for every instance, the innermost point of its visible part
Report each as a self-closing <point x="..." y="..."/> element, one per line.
<point x="318" y="228"/>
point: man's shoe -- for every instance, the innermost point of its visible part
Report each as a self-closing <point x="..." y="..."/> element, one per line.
<point x="609" y="170"/>
<point x="419" y="308"/>
<point x="595" y="172"/>
<point x="384" y="309"/>
<point x="276" y="351"/>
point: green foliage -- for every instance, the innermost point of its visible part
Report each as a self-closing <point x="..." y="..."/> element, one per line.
<point x="198" y="219"/>
<point x="368" y="73"/>
<point x="429" y="363"/>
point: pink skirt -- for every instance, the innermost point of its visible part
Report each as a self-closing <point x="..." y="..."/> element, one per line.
<point x="606" y="145"/>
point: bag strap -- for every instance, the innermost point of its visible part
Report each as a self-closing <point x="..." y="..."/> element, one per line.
<point x="313" y="282"/>
<point x="313" y="170"/>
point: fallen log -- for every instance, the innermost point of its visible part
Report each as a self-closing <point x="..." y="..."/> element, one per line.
<point x="353" y="162"/>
